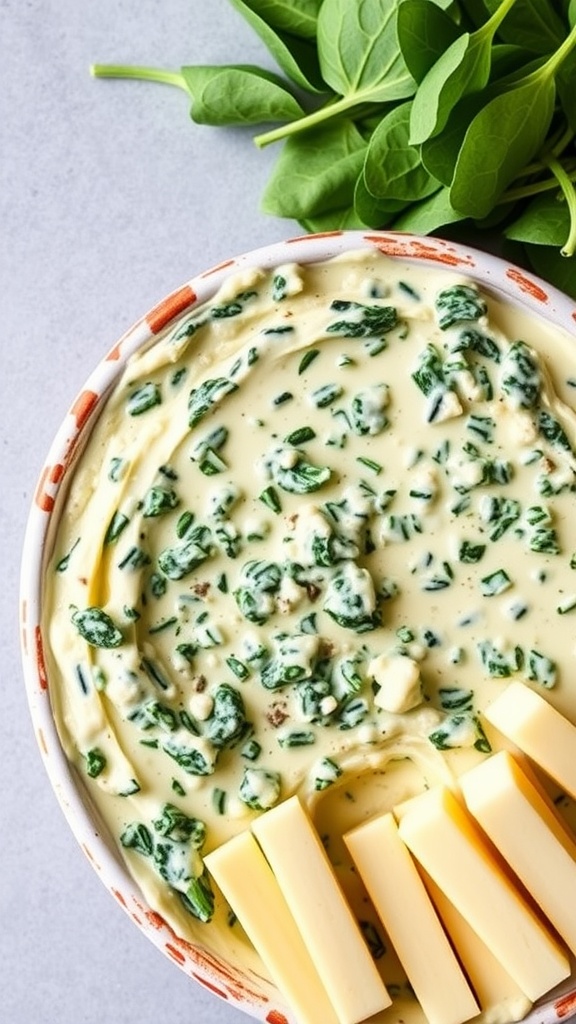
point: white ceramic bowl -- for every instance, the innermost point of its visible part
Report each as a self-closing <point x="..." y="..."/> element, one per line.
<point x="248" y="992"/>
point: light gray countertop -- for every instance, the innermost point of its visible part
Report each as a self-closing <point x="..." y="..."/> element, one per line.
<point x="110" y="198"/>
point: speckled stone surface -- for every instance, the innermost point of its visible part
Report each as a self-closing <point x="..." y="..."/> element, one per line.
<point x="109" y="199"/>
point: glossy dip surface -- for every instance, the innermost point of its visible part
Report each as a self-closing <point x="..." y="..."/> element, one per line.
<point x="320" y="522"/>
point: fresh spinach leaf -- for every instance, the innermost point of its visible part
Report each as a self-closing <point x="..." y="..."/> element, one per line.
<point x="333" y="220"/>
<point x="296" y="57"/>
<point x="566" y="92"/>
<point x="544" y="221"/>
<point x="464" y="67"/>
<point x="358" y="50"/>
<point x="440" y="153"/>
<point x="238" y="94"/>
<point x="470" y="14"/>
<point x="373" y="212"/>
<point x="297" y="17"/>
<point x="507" y="58"/>
<point x="494" y="105"/>
<point x="535" y="25"/>
<point x="424" y="33"/>
<point x="316" y="172"/>
<point x="429" y="215"/>
<point x="393" y="168"/>
<point x="360" y="61"/>
<point x="503" y="137"/>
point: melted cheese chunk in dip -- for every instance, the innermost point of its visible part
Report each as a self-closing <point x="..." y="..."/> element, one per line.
<point x="318" y="526"/>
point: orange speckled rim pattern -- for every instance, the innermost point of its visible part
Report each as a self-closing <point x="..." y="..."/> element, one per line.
<point x="248" y="992"/>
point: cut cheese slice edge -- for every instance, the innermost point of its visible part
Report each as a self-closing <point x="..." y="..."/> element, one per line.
<point x="327" y="925"/>
<point x="404" y="907"/>
<point x="539" y="730"/>
<point x="248" y="884"/>
<point x="491" y="983"/>
<point x="523" y="827"/>
<point x="445" y="840"/>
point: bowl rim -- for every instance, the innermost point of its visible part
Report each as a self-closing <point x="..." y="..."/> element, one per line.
<point x="253" y="995"/>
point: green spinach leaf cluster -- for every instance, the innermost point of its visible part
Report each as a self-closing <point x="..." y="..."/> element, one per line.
<point x="413" y="115"/>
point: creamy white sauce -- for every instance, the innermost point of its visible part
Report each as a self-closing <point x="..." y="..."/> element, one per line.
<point x="345" y="528"/>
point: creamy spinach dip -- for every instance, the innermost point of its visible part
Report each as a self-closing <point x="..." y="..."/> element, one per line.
<point x="319" y="524"/>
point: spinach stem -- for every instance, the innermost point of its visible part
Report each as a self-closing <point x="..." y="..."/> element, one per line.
<point x="525" y="191"/>
<point x="549" y="69"/>
<point x="332" y="109"/>
<point x="140" y="73"/>
<point x="567" y="186"/>
<point x="490" y="27"/>
<point x="564" y="139"/>
<point x="557" y="144"/>
<point x="553" y="63"/>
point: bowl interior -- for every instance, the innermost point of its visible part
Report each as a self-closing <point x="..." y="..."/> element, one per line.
<point x="249" y="991"/>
